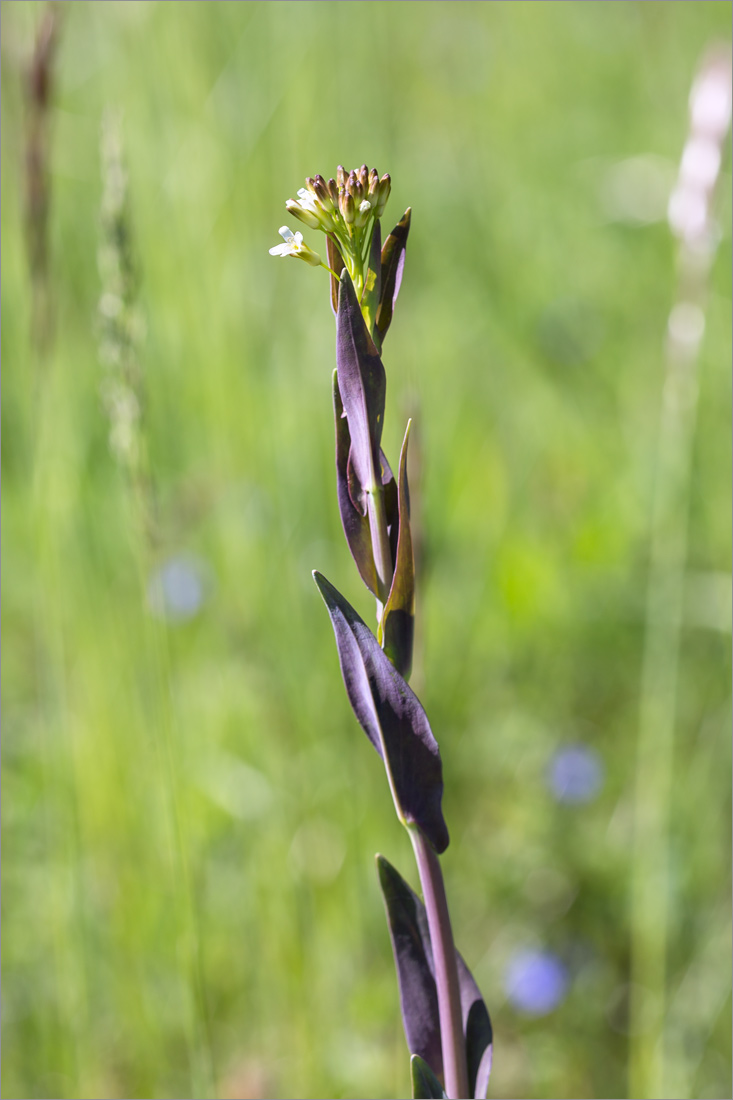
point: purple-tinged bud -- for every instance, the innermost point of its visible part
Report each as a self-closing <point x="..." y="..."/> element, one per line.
<point x="321" y="190"/>
<point x="333" y="192"/>
<point x="307" y="216"/>
<point x="348" y="210"/>
<point x="310" y="184"/>
<point x="340" y="176"/>
<point x="351" y="184"/>
<point x="373" y="185"/>
<point x="364" y="177"/>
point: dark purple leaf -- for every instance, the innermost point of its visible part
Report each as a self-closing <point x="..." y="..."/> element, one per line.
<point x="356" y="526"/>
<point x="362" y="385"/>
<point x="413" y="956"/>
<point x="425" y="1085"/>
<point x="398" y="621"/>
<point x="392" y="717"/>
<point x="408" y="925"/>
<point x="393" y="264"/>
<point x="477" y="1030"/>
<point x="336" y="263"/>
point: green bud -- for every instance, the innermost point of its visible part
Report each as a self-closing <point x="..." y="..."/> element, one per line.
<point x="340" y="177"/>
<point x="364" y="177"/>
<point x="333" y="192"/>
<point x="363" y="213"/>
<point x="385" y="186"/>
<point x="307" y="216"/>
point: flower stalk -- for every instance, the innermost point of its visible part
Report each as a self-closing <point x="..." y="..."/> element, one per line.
<point x="447" y="1026"/>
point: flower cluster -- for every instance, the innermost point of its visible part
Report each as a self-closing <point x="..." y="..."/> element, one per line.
<point x="343" y="205"/>
<point x="346" y="209"/>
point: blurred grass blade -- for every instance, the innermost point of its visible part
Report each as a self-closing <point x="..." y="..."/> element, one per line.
<point x="425" y="1085"/>
<point x="413" y="956"/>
<point x="398" y="621"/>
<point x="362" y="385"/>
<point x="408" y="926"/>
<point x="392" y="717"/>
<point x="393" y="264"/>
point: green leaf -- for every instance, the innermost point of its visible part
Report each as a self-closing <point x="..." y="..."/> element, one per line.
<point x="425" y="1085"/>
<point x="398" y="621"/>
<point x="373" y="283"/>
<point x="392" y="717"/>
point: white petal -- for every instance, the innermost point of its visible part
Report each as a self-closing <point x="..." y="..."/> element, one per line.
<point x="285" y="233"/>
<point x="280" y="250"/>
<point x="298" y="239"/>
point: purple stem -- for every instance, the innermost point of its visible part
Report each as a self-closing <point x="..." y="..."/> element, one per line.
<point x="446" y="970"/>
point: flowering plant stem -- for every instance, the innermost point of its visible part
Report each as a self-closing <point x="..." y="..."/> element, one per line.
<point x="446" y="969"/>
<point x="447" y="1026"/>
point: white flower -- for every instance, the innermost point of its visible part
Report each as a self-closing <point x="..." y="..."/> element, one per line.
<point x="295" y="246"/>
<point x="308" y="200"/>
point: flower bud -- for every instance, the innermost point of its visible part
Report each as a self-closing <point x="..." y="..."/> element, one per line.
<point x="348" y="209"/>
<point x="311" y="220"/>
<point x="321" y="190"/>
<point x="340" y="177"/>
<point x="373" y="185"/>
<point x="363" y="213"/>
<point x="310" y="184"/>
<point x="385" y="185"/>
<point x="364" y="177"/>
<point x="333" y="192"/>
<point x="351" y="183"/>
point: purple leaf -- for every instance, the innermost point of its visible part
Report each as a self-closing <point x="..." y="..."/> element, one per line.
<point x="392" y="717"/>
<point x="393" y="264"/>
<point x="413" y="956"/>
<point x="336" y="263"/>
<point x="477" y="1030"/>
<point x="408" y="926"/>
<point x="398" y="622"/>
<point x="362" y="386"/>
<point x="355" y="525"/>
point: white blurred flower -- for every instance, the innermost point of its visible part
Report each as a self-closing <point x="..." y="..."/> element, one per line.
<point x="295" y="246"/>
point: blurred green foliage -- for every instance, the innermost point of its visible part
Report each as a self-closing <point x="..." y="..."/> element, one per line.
<point x="190" y="906"/>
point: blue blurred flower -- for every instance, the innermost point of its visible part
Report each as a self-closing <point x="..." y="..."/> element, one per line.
<point x="536" y="982"/>
<point x="575" y="774"/>
<point x="177" y="589"/>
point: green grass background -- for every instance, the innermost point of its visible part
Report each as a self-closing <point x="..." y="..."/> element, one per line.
<point x="190" y="812"/>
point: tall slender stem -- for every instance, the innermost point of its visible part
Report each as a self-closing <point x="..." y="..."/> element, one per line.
<point x="650" y="878"/>
<point x="446" y="969"/>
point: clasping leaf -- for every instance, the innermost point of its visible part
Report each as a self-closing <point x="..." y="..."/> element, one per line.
<point x="392" y="717"/>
